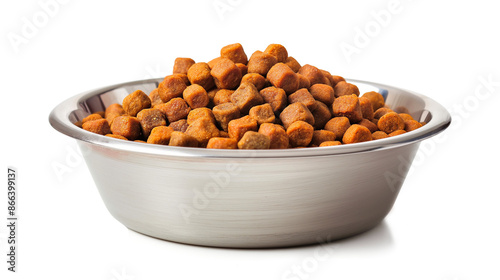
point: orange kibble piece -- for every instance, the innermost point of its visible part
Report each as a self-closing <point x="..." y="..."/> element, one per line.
<point x="200" y="113"/>
<point x="348" y="106"/>
<point x="160" y="135"/>
<point x="135" y="102"/>
<point x="238" y="127"/>
<point x="282" y="76"/>
<point x="256" y="79"/>
<point x="277" y="135"/>
<point x="397" y="132"/>
<point x="155" y="98"/>
<point x="390" y="122"/>
<point x="406" y="117"/>
<point x="323" y="93"/>
<point x="222" y="96"/>
<point x="243" y="68"/>
<point x="338" y="125"/>
<point x="296" y="112"/>
<point x="330" y="143"/>
<point x="412" y="125"/>
<point x="344" y="88"/>
<point x="380" y="112"/>
<point x="202" y="130"/>
<point x="171" y="87"/>
<point x="150" y="118"/>
<point x="320" y="136"/>
<point x="260" y="63"/>
<point x="329" y="78"/>
<point x="182" y="65"/>
<point x="226" y="74"/>
<point x="222" y="143"/>
<point x="235" y="53"/>
<point x="196" y="96"/>
<point x="126" y="126"/>
<point x="262" y="113"/>
<point x="277" y="51"/>
<point x="181" y="139"/>
<point x="276" y="97"/>
<point x="303" y="96"/>
<point x="245" y="97"/>
<point x="300" y="134"/>
<point x="254" y="140"/>
<point x="336" y="79"/>
<point x="375" y="98"/>
<point x="113" y="111"/>
<point x="379" y="135"/>
<point x="312" y="73"/>
<point x="224" y="113"/>
<point x="91" y="117"/>
<point x="99" y="126"/>
<point x="293" y="64"/>
<point x="321" y="115"/>
<point x="303" y="81"/>
<point x="116" y="136"/>
<point x="356" y="133"/>
<point x="366" y="107"/>
<point x="175" y="109"/>
<point x="199" y="74"/>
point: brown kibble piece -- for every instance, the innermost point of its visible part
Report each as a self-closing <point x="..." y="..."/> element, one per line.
<point x="397" y="132"/>
<point x="406" y="117"/>
<point x="293" y="64"/>
<point x="99" y="126"/>
<point x="135" y="102"/>
<point x="276" y="97"/>
<point x="91" y="117"/>
<point x="238" y="127"/>
<point x="175" y="109"/>
<point x="336" y="79"/>
<point x="330" y="143"/>
<point x="356" y="133"/>
<point x="224" y="113"/>
<point x="277" y="51"/>
<point x="226" y="74"/>
<point x="222" y="143"/>
<point x="201" y="113"/>
<point x="182" y="64"/>
<point x="256" y="79"/>
<point x="184" y="77"/>
<point x="243" y="68"/>
<point x="277" y="135"/>
<point x="126" y="126"/>
<point x="320" y="136"/>
<point x="171" y="87"/>
<point x="199" y="74"/>
<point x="338" y="125"/>
<point x="282" y="76"/>
<point x="344" y="88"/>
<point x="160" y="135"/>
<point x="195" y="96"/>
<point x="260" y="63"/>
<point x="390" y="122"/>
<point x="150" y="118"/>
<point x="303" y="81"/>
<point x="375" y="98"/>
<point x="412" y="125"/>
<point x="254" y="140"/>
<point x="202" y="130"/>
<point x="296" y="112"/>
<point x="180" y="125"/>
<point x="323" y="93"/>
<point x="155" y="98"/>
<point x="348" y="106"/>
<point x="368" y="124"/>
<point x="380" y="112"/>
<point x="262" y="113"/>
<point x="303" y="96"/>
<point x="300" y="134"/>
<point x="245" y="97"/>
<point x="330" y="81"/>
<point x="312" y="73"/>
<point x="222" y="96"/>
<point x="366" y="108"/>
<point x="181" y="139"/>
<point x="379" y="135"/>
<point x="116" y="136"/>
<point x="235" y="53"/>
<point x="113" y="111"/>
<point x="321" y="115"/>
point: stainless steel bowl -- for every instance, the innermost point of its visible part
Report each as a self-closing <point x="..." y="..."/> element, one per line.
<point x="248" y="198"/>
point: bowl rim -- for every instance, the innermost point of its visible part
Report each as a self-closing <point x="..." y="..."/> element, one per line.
<point x="59" y="120"/>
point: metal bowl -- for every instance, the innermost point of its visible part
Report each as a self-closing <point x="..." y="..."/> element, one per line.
<point x="248" y="198"/>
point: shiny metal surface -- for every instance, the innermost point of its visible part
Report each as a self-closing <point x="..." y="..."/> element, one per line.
<point x="248" y="199"/>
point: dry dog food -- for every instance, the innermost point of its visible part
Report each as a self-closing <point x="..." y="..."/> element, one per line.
<point x="266" y="101"/>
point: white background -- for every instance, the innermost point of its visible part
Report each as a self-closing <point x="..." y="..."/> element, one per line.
<point x="444" y="225"/>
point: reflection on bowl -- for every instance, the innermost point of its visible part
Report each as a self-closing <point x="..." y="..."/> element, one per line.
<point x="248" y="198"/>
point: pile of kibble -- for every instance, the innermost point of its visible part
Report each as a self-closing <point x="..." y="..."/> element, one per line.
<point x="269" y="101"/>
